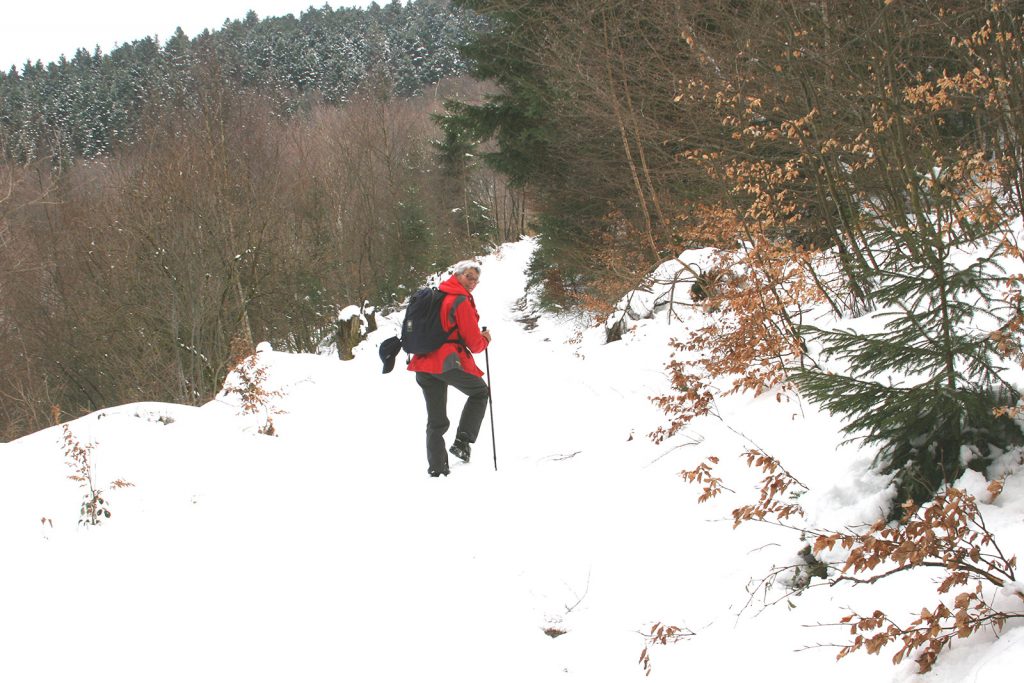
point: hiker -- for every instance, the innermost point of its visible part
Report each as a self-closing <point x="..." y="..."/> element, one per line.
<point x="453" y="365"/>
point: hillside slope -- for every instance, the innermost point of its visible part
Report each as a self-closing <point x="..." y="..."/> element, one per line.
<point x="325" y="553"/>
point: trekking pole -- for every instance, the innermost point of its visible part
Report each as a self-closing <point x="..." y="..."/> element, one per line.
<point x="490" y="403"/>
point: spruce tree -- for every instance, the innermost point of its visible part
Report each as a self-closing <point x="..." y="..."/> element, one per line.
<point x="924" y="389"/>
<point x="517" y="118"/>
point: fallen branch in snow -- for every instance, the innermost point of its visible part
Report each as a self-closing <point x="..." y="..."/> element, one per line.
<point x="660" y="634"/>
<point x="796" y="577"/>
<point x="558" y="457"/>
<point x="579" y="598"/>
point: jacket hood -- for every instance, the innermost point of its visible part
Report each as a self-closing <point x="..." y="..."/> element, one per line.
<point x="453" y="286"/>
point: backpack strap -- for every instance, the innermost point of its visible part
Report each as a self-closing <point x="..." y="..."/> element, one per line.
<point x="459" y="299"/>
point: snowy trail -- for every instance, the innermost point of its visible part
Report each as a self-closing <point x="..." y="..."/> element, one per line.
<point x="246" y="537"/>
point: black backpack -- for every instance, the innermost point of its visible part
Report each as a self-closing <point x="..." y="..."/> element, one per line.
<point x="422" y="331"/>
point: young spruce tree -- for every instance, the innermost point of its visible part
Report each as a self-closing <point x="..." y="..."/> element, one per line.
<point x="926" y="388"/>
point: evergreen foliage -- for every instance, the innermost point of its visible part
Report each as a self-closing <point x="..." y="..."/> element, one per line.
<point x="517" y="117"/>
<point x="86" y="106"/>
<point x="516" y="132"/>
<point x="926" y="389"/>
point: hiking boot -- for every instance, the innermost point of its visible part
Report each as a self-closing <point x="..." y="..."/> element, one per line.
<point x="438" y="473"/>
<point x="460" y="448"/>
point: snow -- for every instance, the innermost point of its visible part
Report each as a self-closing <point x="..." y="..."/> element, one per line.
<point x="348" y="313"/>
<point x="326" y="553"/>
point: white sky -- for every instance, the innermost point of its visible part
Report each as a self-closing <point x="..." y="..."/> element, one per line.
<point x="46" y="29"/>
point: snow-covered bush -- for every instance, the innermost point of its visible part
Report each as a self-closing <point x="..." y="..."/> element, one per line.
<point x="248" y="381"/>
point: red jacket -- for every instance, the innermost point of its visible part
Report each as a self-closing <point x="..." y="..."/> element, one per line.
<point x="458" y="311"/>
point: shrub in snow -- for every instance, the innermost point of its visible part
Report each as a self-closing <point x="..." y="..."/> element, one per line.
<point x="78" y="457"/>
<point x="950" y="533"/>
<point x="978" y="587"/>
<point x="755" y="297"/>
<point x="248" y="381"/>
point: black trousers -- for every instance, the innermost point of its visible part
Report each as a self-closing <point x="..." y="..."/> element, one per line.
<point x="435" y="393"/>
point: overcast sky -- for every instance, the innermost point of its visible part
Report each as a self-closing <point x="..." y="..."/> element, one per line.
<point x="45" y="29"/>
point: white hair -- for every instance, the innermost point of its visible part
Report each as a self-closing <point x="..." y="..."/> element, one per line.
<point x="462" y="266"/>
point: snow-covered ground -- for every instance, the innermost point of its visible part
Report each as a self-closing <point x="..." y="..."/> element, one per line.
<point x="326" y="553"/>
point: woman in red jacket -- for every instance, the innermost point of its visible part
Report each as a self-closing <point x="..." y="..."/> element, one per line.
<point x="453" y="365"/>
